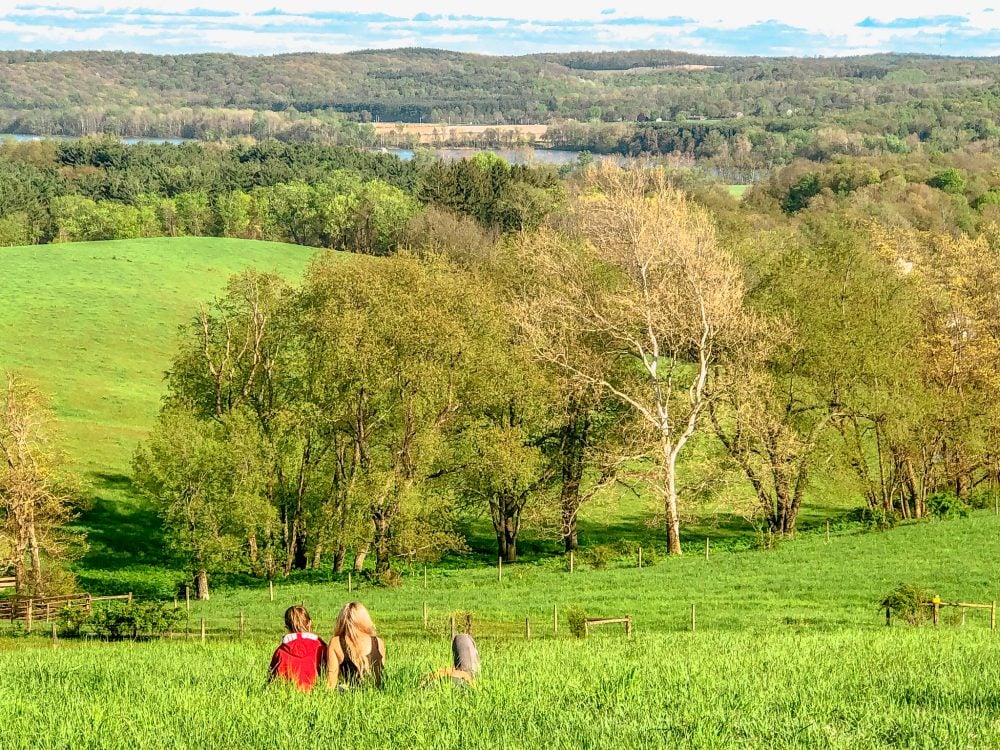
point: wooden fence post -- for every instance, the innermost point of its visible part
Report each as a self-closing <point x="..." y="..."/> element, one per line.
<point x="628" y="626"/>
<point x="499" y="569"/>
<point x="270" y="588"/>
<point x="693" y="618"/>
<point x="175" y="602"/>
<point x="993" y="616"/>
<point x="55" y="634"/>
<point x="527" y="629"/>
<point x="425" y="615"/>
<point x="937" y="610"/>
<point x="571" y="561"/>
<point x="706" y="547"/>
<point x="30" y="613"/>
<point x="350" y="583"/>
<point x="828" y="530"/>
<point x="586" y="629"/>
<point x="451" y="622"/>
<point x="555" y="619"/>
<point x="129" y="597"/>
<point x="48" y="612"/>
<point x="640" y="557"/>
<point x="90" y="603"/>
<point x="242" y="625"/>
<point x="425" y="577"/>
<point x="202" y="629"/>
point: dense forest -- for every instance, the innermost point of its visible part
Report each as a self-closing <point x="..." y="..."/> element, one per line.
<point x="744" y="112"/>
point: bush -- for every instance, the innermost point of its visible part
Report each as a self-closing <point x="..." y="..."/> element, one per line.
<point x="947" y="505"/>
<point x="982" y="498"/>
<point x="389" y="579"/>
<point x="908" y="602"/>
<point x="576" y="618"/>
<point x="877" y="519"/>
<point x="72" y="620"/>
<point x="120" y="620"/>
<point x="598" y="557"/>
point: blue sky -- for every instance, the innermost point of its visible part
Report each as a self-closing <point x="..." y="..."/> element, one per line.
<point x="512" y="27"/>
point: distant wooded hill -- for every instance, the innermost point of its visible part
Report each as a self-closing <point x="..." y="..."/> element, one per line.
<point x="950" y="100"/>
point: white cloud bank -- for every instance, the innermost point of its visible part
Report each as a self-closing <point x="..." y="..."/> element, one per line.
<point x="517" y="26"/>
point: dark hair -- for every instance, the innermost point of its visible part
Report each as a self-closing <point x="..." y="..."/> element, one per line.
<point x="297" y="619"/>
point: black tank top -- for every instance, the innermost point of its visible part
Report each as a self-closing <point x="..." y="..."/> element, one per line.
<point x="349" y="671"/>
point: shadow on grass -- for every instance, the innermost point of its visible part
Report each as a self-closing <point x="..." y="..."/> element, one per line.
<point x="126" y="551"/>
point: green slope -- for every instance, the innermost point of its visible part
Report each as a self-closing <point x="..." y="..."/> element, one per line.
<point x="94" y="324"/>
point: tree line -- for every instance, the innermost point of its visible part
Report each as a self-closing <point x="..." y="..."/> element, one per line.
<point x="99" y="189"/>
<point x="638" y="342"/>
<point x="646" y="334"/>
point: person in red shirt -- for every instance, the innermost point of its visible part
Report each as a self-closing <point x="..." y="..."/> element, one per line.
<point x="302" y="653"/>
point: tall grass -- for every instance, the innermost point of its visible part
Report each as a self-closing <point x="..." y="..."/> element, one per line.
<point x="891" y="688"/>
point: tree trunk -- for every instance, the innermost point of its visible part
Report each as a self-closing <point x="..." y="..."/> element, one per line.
<point x="381" y="543"/>
<point x="38" y="585"/>
<point x="317" y="556"/>
<point x="338" y="558"/>
<point x="201" y="585"/>
<point x="570" y="541"/>
<point x="506" y="513"/>
<point x="673" y="518"/>
<point x="359" y="558"/>
<point x="572" y="450"/>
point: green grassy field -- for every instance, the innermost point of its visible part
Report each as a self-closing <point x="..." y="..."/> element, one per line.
<point x="790" y="648"/>
<point x="94" y="325"/>
<point x="790" y="651"/>
<point x="737" y="191"/>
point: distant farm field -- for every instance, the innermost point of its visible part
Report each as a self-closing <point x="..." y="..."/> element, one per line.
<point x="94" y="325"/>
<point x="430" y="132"/>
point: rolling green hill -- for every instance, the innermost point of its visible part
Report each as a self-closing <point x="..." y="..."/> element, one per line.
<point x="93" y="324"/>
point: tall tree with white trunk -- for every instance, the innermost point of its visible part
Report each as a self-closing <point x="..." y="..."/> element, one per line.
<point x="671" y="301"/>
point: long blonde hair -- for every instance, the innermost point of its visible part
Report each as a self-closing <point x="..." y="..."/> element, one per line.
<point x="353" y="622"/>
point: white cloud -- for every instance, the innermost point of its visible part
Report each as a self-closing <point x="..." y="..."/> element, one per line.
<point x="718" y="26"/>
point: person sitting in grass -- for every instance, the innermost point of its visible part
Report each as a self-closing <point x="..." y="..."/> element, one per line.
<point x="302" y="654"/>
<point x="356" y="654"/>
<point x="465" y="660"/>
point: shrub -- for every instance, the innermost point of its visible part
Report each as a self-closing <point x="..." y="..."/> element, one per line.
<point x="947" y="505"/>
<point x="576" y="618"/>
<point x="388" y="579"/>
<point x="72" y="620"/>
<point x="908" y="602"/>
<point x="598" y="557"/>
<point x="982" y="498"/>
<point x="877" y="519"/>
<point x="120" y="620"/>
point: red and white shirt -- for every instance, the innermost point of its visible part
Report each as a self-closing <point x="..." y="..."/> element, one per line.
<point x="299" y="658"/>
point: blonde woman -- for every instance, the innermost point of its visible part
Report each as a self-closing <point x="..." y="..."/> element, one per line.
<point x="356" y="654"/>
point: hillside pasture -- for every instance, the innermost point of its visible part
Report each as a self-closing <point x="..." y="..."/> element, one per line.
<point x="94" y="325"/>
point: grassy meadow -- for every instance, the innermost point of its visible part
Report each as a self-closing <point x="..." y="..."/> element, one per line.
<point x="790" y="648"/>
<point x="94" y="325"/>
<point x="790" y="651"/>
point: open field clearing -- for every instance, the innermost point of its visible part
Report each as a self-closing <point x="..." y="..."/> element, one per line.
<point x="432" y="132"/>
<point x="94" y="325"/>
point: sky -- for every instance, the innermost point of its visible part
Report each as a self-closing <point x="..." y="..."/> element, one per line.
<point x="718" y="27"/>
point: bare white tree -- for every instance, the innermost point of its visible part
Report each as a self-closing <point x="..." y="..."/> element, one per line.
<point x="663" y="305"/>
